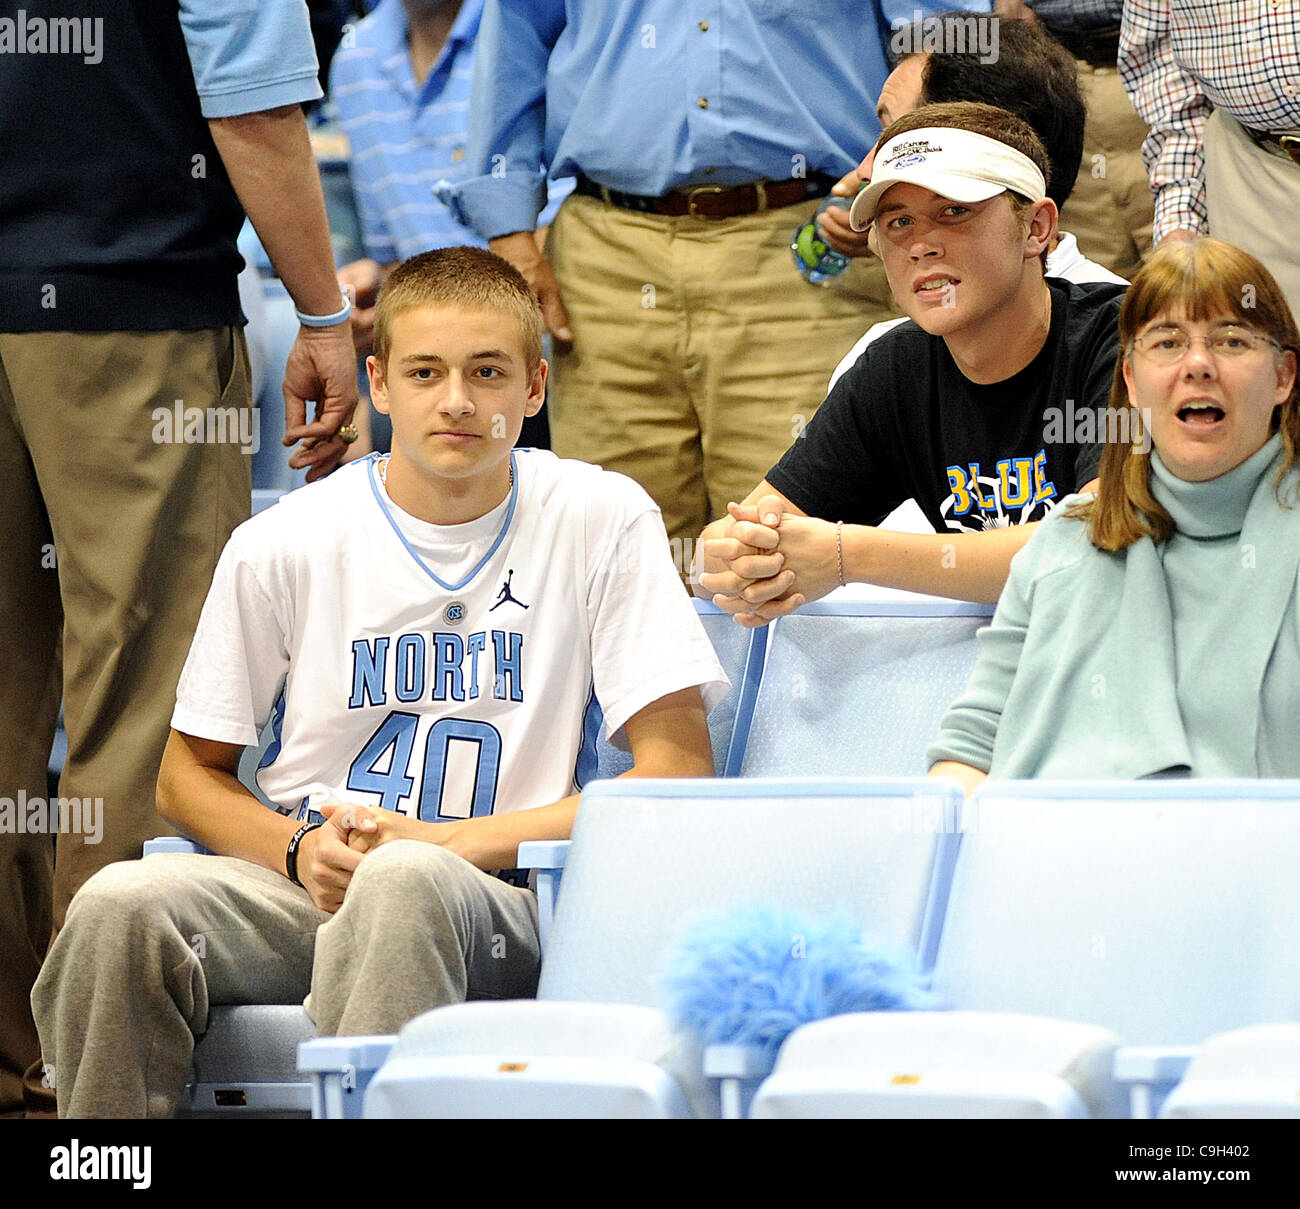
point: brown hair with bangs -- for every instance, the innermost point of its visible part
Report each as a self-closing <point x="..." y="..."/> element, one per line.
<point x="1200" y="280"/>
<point x="460" y="276"/>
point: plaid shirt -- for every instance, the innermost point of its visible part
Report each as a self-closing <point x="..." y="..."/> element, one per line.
<point x="1180" y="59"/>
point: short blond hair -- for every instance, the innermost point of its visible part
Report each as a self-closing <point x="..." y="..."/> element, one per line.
<point x="459" y="276"/>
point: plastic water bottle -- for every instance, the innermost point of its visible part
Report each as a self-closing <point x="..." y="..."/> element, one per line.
<point x="815" y="259"/>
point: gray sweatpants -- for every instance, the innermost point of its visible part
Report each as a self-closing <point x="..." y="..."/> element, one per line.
<point x="150" y="945"/>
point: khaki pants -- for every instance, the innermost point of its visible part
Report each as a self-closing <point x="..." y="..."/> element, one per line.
<point x="110" y="541"/>
<point x="150" y="946"/>
<point x="1251" y="195"/>
<point x="1110" y="211"/>
<point x="699" y="352"/>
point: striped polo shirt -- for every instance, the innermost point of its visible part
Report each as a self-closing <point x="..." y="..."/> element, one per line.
<point x="405" y="136"/>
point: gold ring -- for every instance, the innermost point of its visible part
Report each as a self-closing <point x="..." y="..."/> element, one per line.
<point x="348" y="433"/>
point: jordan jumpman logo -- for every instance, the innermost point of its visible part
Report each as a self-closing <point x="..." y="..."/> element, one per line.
<point x="505" y="595"/>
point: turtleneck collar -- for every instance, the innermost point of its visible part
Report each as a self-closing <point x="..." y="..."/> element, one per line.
<point x="1217" y="507"/>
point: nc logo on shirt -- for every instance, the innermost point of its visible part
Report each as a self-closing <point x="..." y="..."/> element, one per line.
<point x="1017" y="493"/>
<point x="454" y="613"/>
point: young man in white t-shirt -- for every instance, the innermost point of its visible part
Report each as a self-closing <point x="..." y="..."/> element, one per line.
<point x="435" y="670"/>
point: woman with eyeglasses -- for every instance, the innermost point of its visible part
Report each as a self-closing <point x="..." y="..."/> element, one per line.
<point x="1152" y="629"/>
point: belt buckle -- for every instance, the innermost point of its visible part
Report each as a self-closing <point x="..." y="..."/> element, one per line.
<point x="690" y="197"/>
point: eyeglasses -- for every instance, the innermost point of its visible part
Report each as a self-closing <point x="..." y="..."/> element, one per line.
<point x="1168" y="345"/>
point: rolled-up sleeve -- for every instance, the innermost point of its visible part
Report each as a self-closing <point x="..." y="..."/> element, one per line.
<point x="249" y="55"/>
<point x="507" y="190"/>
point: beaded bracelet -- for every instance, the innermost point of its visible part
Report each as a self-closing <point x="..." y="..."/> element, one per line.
<point x="839" y="549"/>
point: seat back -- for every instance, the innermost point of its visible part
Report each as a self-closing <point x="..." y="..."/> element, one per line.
<point x="740" y="651"/>
<point x="859" y="688"/>
<point x="650" y="856"/>
<point x="1165" y="911"/>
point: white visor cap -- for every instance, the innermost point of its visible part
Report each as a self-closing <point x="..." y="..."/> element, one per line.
<point x="956" y="164"/>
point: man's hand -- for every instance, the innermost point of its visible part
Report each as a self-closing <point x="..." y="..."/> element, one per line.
<point x="812" y="557"/>
<point x="776" y="561"/>
<point x="521" y="250"/>
<point x="370" y="826"/>
<point x="322" y="367"/>
<point x="361" y="280"/>
<point x="269" y="160"/>
<point x="834" y="223"/>
<point x="749" y="568"/>
<point x="325" y="862"/>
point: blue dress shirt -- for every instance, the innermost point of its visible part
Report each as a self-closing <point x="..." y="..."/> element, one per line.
<point x="646" y="96"/>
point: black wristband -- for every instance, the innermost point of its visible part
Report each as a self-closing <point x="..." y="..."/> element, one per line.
<point x="291" y="853"/>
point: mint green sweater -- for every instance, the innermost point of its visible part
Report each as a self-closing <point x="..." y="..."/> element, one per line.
<point x="1182" y="656"/>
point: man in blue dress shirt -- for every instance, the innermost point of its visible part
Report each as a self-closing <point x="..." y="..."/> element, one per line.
<point x="702" y="137"/>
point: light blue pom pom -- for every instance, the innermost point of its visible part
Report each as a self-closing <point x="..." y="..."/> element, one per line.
<point x="752" y="975"/>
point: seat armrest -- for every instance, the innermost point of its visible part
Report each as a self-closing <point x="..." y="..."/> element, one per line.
<point x="341" y="1069"/>
<point x="543" y="854"/>
<point x="1150" y="1072"/>
<point x="740" y="1070"/>
<point x="548" y="857"/>
<point x="173" y="843"/>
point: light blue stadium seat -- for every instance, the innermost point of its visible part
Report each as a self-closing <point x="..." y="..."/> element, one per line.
<point x="264" y="497"/>
<point x="1096" y="934"/>
<point x="647" y="858"/>
<point x="1250" y="1072"/>
<point x="858" y="688"/>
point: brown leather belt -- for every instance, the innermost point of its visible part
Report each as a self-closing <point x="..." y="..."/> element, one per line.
<point x="1287" y="145"/>
<point x="714" y="201"/>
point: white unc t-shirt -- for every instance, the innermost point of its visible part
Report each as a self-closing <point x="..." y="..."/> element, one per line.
<point x="443" y="671"/>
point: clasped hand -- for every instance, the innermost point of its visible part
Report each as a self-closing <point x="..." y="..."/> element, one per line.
<point x="330" y="855"/>
<point x="773" y="562"/>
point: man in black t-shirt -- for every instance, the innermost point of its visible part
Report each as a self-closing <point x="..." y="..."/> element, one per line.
<point x="986" y="407"/>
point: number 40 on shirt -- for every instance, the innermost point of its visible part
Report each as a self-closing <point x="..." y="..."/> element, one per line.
<point x="460" y="767"/>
